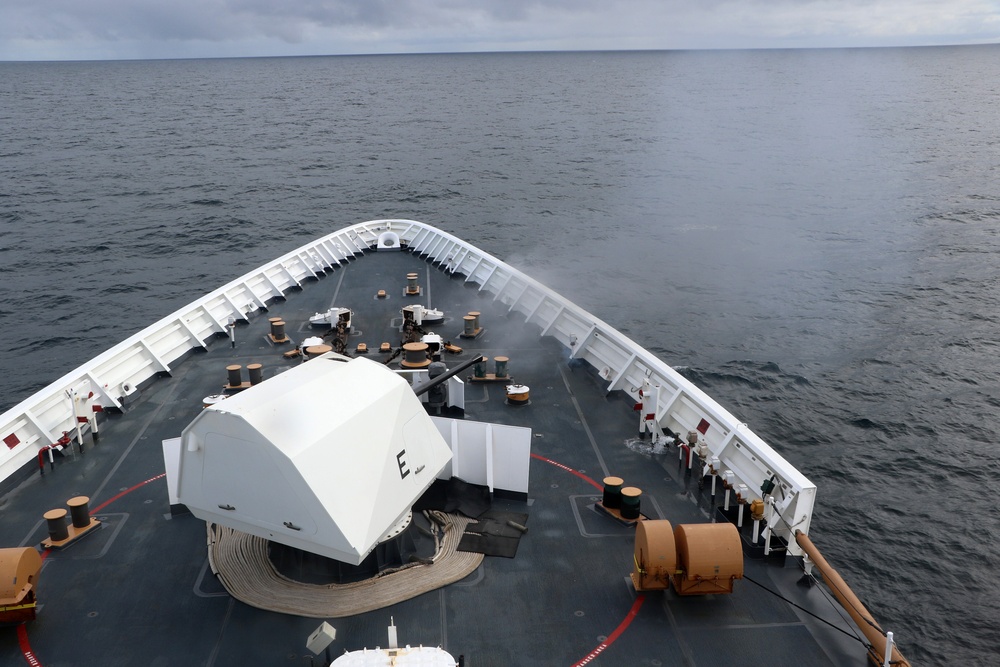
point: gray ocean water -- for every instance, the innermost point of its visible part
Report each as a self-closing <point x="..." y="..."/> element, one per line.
<point x="811" y="236"/>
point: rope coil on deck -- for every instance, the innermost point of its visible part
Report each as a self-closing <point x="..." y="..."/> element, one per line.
<point x="241" y="562"/>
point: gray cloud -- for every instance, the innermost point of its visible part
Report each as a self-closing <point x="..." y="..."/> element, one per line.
<point x="144" y="28"/>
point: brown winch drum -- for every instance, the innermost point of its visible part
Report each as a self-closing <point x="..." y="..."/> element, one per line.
<point x="411" y="283"/>
<point x="470" y="325"/>
<point x="415" y="355"/>
<point x="709" y="556"/>
<point x="278" y="329"/>
<point x="501" y="366"/>
<point x="655" y="560"/>
<point x="58" y="530"/>
<point x="613" y="492"/>
<point x="19" y="570"/>
<point x="479" y="369"/>
<point x="256" y="373"/>
<point x="79" y="511"/>
<point x="233" y="374"/>
<point x="630" y="502"/>
<point x="474" y="314"/>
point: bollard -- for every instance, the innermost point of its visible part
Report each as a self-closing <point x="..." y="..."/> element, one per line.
<point x="613" y="492"/>
<point x="56" y="519"/>
<point x="415" y="356"/>
<point x="79" y="510"/>
<point x="630" y="502"/>
<point x="278" y="330"/>
<point x="411" y="284"/>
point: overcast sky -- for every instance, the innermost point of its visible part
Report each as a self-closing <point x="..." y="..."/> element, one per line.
<point x="102" y="29"/>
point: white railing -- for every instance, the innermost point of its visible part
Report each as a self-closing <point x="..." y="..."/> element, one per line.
<point x="625" y="365"/>
<point x="108" y="379"/>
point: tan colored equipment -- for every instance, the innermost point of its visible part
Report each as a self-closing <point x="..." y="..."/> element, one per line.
<point x="655" y="556"/>
<point x="710" y="558"/>
<point x="19" y="569"/>
<point x="700" y="558"/>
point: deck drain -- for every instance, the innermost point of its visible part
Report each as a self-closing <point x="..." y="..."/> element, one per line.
<point x="578" y="613"/>
<point x="91" y="614"/>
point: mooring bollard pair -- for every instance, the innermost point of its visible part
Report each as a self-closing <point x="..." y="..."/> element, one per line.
<point x="61" y="534"/>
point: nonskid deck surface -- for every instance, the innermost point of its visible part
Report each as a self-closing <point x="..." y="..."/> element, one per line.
<point x="138" y="591"/>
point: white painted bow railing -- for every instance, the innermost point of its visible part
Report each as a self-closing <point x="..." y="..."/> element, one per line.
<point x="625" y="365"/>
<point x="108" y="379"/>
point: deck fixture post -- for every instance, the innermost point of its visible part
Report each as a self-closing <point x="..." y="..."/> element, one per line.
<point x="888" y="650"/>
<point x="76" y="416"/>
<point x="95" y="408"/>
<point x="692" y="438"/>
<point x="741" y="494"/>
<point x="767" y="530"/>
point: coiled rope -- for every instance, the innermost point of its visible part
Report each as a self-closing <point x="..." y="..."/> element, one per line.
<point x="240" y="561"/>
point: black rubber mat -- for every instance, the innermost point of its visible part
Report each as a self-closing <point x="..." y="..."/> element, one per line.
<point x="495" y="534"/>
<point x="455" y="495"/>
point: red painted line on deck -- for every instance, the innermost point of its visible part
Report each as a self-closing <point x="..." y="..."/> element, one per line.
<point x="22" y="632"/>
<point x="569" y="470"/>
<point x="22" y="639"/>
<point x="600" y="648"/>
<point x="126" y="492"/>
<point x="614" y="635"/>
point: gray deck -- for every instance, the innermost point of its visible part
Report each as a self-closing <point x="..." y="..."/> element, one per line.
<point x="138" y="591"/>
